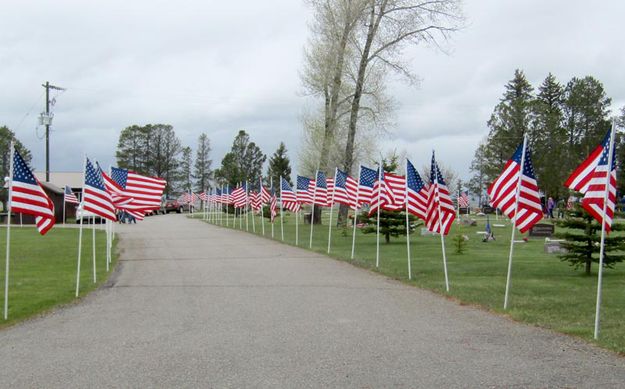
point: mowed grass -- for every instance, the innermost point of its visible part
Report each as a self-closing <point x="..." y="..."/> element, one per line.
<point x="42" y="272"/>
<point x="545" y="291"/>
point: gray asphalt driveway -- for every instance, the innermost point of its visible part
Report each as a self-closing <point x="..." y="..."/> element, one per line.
<point x="195" y="305"/>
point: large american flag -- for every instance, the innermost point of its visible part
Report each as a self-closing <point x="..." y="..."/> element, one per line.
<point x="146" y="191"/>
<point x="96" y="198"/>
<point x="345" y="189"/>
<point x="288" y="197"/>
<point x="396" y="185"/>
<point x="321" y="190"/>
<point x="304" y="193"/>
<point x="121" y="199"/>
<point x="463" y="200"/>
<point x="590" y="179"/>
<point x="27" y="196"/>
<point x="69" y="196"/>
<point x="417" y="191"/>
<point x="503" y="191"/>
<point x="440" y="209"/>
<point x="367" y="179"/>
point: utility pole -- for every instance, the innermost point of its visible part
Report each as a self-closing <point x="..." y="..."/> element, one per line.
<point x="47" y="120"/>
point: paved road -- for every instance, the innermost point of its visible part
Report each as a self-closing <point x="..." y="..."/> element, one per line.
<point x="194" y="305"/>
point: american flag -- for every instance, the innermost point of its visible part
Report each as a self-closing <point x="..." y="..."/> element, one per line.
<point x="226" y="196"/>
<point x="396" y="185"/>
<point x="27" y="196"/>
<point x="321" y="190"/>
<point x="304" y="194"/>
<point x="503" y="191"/>
<point x="265" y="196"/>
<point x="288" y="197"/>
<point x="188" y="198"/>
<point x="147" y="191"/>
<point x="255" y="200"/>
<point x="440" y="209"/>
<point x="204" y="196"/>
<point x="382" y="195"/>
<point x="239" y="196"/>
<point x="330" y="190"/>
<point x="367" y="179"/>
<point x="590" y="179"/>
<point x="417" y="192"/>
<point x="273" y="205"/>
<point x="121" y="199"/>
<point x="69" y="196"/>
<point x="96" y="198"/>
<point x="463" y="200"/>
<point x="345" y="189"/>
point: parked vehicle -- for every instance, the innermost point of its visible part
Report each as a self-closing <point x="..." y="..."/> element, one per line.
<point x="171" y="205"/>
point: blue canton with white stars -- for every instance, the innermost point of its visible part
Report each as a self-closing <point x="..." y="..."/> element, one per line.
<point x="21" y="172"/>
<point x="340" y="181"/>
<point x="284" y="185"/>
<point x="367" y="177"/>
<point x="435" y="173"/>
<point x="302" y="183"/>
<point x="528" y="168"/>
<point x="92" y="177"/>
<point x="413" y="179"/>
<point x="120" y="176"/>
<point x="321" y="180"/>
<point x="604" y="154"/>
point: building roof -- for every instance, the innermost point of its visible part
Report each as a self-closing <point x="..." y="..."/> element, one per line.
<point x="60" y="179"/>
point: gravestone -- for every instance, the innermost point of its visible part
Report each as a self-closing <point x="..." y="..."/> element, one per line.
<point x="426" y="232"/>
<point x="543" y="230"/>
<point x="554" y="247"/>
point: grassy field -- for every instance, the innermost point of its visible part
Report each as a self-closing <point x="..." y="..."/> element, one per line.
<point x="545" y="291"/>
<point x="42" y="271"/>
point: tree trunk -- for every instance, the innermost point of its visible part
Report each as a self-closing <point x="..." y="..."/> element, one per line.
<point x="588" y="264"/>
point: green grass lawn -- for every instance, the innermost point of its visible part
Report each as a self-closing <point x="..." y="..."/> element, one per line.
<point x="544" y="292"/>
<point x="42" y="271"/>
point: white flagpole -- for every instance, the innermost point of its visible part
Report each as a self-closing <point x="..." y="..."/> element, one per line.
<point x="331" y="209"/>
<point x="262" y="208"/>
<point x="377" y="244"/>
<point x="247" y="207"/>
<point x="107" y="231"/>
<point x="458" y="207"/>
<point x="221" y="207"/>
<point x="93" y="247"/>
<point x="63" y="206"/>
<point x="440" y="227"/>
<point x="602" y="249"/>
<point x="407" y="224"/>
<point x="312" y="213"/>
<point x="273" y="193"/>
<point x="82" y="218"/>
<point x="281" y="212"/>
<point x="516" y="210"/>
<point x="8" y="250"/>
<point x="356" y="212"/>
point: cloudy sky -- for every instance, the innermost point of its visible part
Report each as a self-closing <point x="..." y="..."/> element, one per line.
<point x="217" y="67"/>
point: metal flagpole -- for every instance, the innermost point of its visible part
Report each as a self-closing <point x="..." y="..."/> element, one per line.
<point x="63" y="206"/>
<point x="270" y="212"/>
<point x="458" y="206"/>
<point x="247" y="207"/>
<point x="82" y="218"/>
<point x="281" y="212"/>
<point x="407" y="224"/>
<point x="440" y="227"/>
<point x="8" y="249"/>
<point x="356" y="212"/>
<point x="602" y="249"/>
<point x="516" y="211"/>
<point x="253" y="219"/>
<point x="312" y="213"/>
<point x="331" y="209"/>
<point x="377" y="244"/>
<point x="93" y="247"/>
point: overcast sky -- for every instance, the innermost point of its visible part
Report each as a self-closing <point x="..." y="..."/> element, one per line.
<point x="217" y="67"/>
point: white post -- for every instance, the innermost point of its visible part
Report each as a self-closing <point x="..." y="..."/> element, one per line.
<point x="377" y="242"/>
<point x="63" y="206"/>
<point x="407" y="224"/>
<point x="93" y="247"/>
<point x="82" y="198"/>
<point x="331" y="209"/>
<point x="312" y="212"/>
<point x="108" y="247"/>
<point x="281" y="212"/>
<point x="247" y="207"/>
<point x="262" y="208"/>
<point x="516" y="211"/>
<point x="458" y="207"/>
<point x="8" y="248"/>
<point x="602" y="249"/>
<point x="356" y="212"/>
<point x="297" y="228"/>
<point x="440" y="227"/>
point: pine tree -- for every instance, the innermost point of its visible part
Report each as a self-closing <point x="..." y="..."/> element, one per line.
<point x="391" y="224"/>
<point x="583" y="241"/>
<point x="279" y="166"/>
<point x="202" y="172"/>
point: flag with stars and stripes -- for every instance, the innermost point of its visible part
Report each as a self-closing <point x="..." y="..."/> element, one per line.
<point x="26" y="195"/>
<point x="273" y="205"/>
<point x="96" y="198"/>
<point x="345" y="189"/>
<point x="304" y="193"/>
<point x="463" y="200"/>
<point x="69" y="196"/>
<point x="320" y="194"/>
<point x="417" y="192"/>
<point x="239" y="196"/>
<point x="590" y="179"/>
<point x="146" y="191"/>
<point x="396" y="186"/>
<point x="288" y="198"/>
<point x="366" y="181"/>
<point x="503" y="191"/>
<point x="440" y="209"/>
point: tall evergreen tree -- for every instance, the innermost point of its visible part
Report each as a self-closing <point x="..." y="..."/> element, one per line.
<point x="202" y="172"/>
<point x="184" y="171"/>
<point x="549" y="138"/>
<point x="243" y="163"/>
<point x="279" y="166"/>
<point x="477" y="183"/>
<point x="509" y="122"/>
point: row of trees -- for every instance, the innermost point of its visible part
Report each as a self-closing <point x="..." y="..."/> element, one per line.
<point x="155" y="150"/>
<point x="563" y="122"/>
